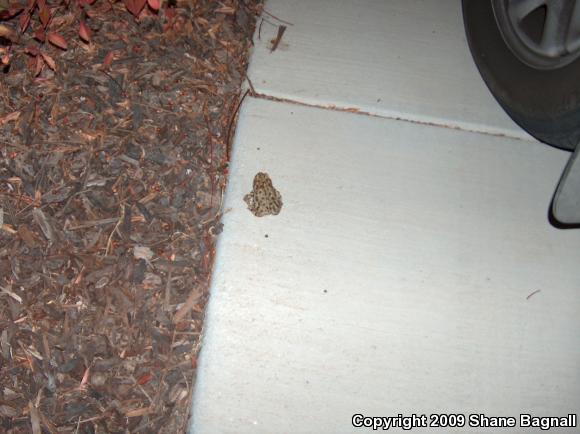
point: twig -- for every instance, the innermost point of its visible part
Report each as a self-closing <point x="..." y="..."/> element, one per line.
<point x="276" y="18"/>
<point x="147" y="422"/>
<point x="11" y="294"/>
<point x="116" y="82"/>
<point x="281" y="30"/>
<point x="532" y="294"/>
<point x="167" y="300"/>
<point x="228" y="144"/>
<point x="8" y="228"/>
<point x="251" y="86"/>
<point x="81" y="187"/>
<point x="193" y="298"/>
<point x="142" y="390"/>
<point x="104" y="222"/>
<point x="115" y="229"/>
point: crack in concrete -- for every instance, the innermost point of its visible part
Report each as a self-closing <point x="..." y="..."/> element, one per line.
<point x="358" y="111"/>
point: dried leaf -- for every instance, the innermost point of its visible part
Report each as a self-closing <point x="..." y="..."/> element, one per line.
<point x="27" y="236"/>
<point x="138" y="412"/>
<point x="192" y="299"/>
<point x="39" y="34"/>
<point x="57" y="40"/>
<point x="15" y="297"/>
<point x="125" y="225"/>
<point x="142" y="252"/>
<point x="24" y="21"/>
<point x="8" y="228"/>
<point x="84" y="32"/>
<point x="8" y="33"/>
<point x="10" y="12"/>
<point x="3" y="120"/>
<point x="49" y="61"/>
<point x="42" y="221"/>
<point x="154" y="4"/>
<point x="151" y="281"/>
<point x="32" y="50"/>
<point x="135" y="6"/>
<point x="108" y="59"/>
<point x="85" y="378"/>
<point x="145" y="378"/>
<point x="38" y="66"/>
<point x="7" y="411"/>
<point x="228" y="10"/>
<point x="34" y="418"/>
<point x="44" y="15"/>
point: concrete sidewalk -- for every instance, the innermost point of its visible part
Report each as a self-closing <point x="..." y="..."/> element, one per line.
<point x="412" y="269"/>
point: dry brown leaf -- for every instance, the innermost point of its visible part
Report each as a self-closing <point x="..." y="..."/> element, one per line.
<point x="27" y="236"/>
<point x="39" y="34"/>
<point x="43" y="223"/>
<point x="108" y="59"/>
<point x="44" y="15"/>
<point x="10" y="117"/>
<point x="38" y="66"/>
<point x="8" y="228"/>
<point x="49" y="61"/>
<point x="138" y="412"/>
<point x="8" y="33"/>
<point x="57" y="40"/>
<point x="135" y="6"/>
<point x="154" y="4"/>
<point x="228" y="10"/>
<point x="34" y="418"/>
<point x="192" y="299"/>
<point x="84" y="32"/>
<point x="142" y="252"/>
<point x="25" y="20"/>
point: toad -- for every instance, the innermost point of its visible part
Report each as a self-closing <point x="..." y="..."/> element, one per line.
<point x="264" y="199"/>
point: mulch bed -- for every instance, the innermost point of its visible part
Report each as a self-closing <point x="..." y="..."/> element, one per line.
<point x="112" y="168"/>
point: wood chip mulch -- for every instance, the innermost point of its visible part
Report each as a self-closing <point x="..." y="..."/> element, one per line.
<point x="112" y="168"/>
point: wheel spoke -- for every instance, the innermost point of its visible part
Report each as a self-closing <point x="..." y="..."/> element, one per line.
<point x="519" y="9"/>
<point x="555" y="29"/>
<point x="573" y="36"/>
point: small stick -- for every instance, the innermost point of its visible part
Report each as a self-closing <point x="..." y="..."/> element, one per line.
<point x="115" y="229"/>
<point x="167" y="300"/>
<point x="276" y="18"/>
<point x="194" y="297"/>
<point x="281" y="30"/>
<point x="532" y="294"/>
<point x="251" y="86"/>
<point x="228" y="145"/>
<point x="91" y="223"/>
<point x="116" y="82"/>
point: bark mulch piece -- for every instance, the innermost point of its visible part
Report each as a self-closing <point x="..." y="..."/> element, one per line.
<point x="112" y="168"/>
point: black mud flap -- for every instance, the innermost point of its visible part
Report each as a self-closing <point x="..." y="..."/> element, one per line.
<point x="566" y="203"/>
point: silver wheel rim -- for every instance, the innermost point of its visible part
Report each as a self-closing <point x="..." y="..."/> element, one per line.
<point x="544" y="34"/>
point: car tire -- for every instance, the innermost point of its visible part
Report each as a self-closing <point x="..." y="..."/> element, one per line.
<point x="544" y="102"/>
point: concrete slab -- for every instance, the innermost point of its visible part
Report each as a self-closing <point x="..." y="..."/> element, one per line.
<point x="400" y="59"/>
<point x="401" y="276"/>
